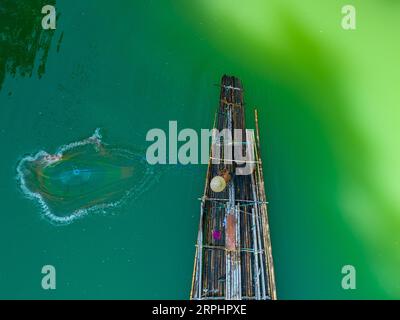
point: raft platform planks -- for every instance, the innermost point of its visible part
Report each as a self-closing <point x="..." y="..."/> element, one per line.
<point x="238" y="265"/>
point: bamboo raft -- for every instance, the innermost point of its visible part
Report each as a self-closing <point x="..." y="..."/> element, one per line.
<point x="238" y="265"/>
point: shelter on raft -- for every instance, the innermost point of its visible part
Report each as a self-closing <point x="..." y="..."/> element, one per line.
<point x="233" y="259"/>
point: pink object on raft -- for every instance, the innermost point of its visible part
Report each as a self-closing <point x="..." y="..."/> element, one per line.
<point x="216" y="234"/>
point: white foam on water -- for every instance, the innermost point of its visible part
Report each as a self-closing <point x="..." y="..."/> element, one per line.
<point x="48" y="159"/>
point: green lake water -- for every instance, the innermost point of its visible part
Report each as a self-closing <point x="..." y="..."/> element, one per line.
<point x="328" y="105"/>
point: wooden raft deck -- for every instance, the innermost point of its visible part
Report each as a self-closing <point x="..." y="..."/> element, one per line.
<point x="238" y="264"/>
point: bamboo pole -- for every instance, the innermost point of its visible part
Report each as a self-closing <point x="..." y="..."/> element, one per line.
<point x="267" y="238"/>
<point x="200" y="250"/>
<point x="237" y="254"/>
<point x="227" y="200"/>
<point x="197" y="272"/>
<point x="256" y="269"/>
<point x="194" y="275"/>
